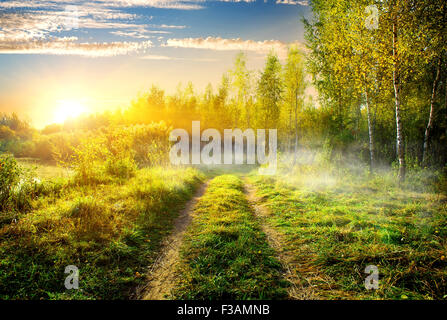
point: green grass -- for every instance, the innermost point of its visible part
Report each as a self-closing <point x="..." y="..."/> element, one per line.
<point x="44" y="170"/>
<point x="111" y="232"/>
<point x="225" y="254"/>
<point x="336" y="225"/>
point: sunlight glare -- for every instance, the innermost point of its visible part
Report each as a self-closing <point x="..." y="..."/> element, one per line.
<point x="68" y="109"/>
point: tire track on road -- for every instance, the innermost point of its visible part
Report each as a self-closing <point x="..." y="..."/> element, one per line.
<point x="162" y="274"/>
<point x="298" y="289"/>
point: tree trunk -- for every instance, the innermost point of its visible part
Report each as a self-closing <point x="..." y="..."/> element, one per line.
<point x="399" y="134"/>
<point x="430" y="117"/>
<point x="296" y="129"/>
<point x="371" y="133"/>
<point x="247" y="109"/>
<point x="290" y="133"/>
<point x="445" y="105"/>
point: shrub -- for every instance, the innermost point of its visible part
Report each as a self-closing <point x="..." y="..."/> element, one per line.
<point x="120" y="161"/>
<point x="121" y="168"/>
<point x="88" y="160"/>
<point x="42" y="148"/>
<point x="62" y="146"/>
<point x="10" y="173"/>
<point x="6" y="133"/>
<point x="103" y="155"/>
<point x="18" y="187"/>
<point x="151" y="143"/>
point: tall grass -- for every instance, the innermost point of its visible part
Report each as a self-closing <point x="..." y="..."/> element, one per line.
<point x="111" y="232"/>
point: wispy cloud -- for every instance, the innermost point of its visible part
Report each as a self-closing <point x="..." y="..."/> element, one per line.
<point x="70" y="46"/>
<point x="158" y="57"/>
<point x="237" y="0"/>
<point x="139" y="34"/>
<point x="40" y="23"/>
<point x="166" y="26"/>
<point x="131" y="34"/>
<point x="168" y="4"/>
<point x="221" y="44"/>
<point x="39" y="26"/>
<point x="294" y="2"/>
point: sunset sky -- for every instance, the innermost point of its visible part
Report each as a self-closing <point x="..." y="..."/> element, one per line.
<point x="100" y="54"/>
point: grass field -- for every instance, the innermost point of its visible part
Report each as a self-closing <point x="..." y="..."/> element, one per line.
<point x="338" y="225"/>
<point x="111" y="231"/>
<point x="44" y="170"/>
<point x="329" y="224"/>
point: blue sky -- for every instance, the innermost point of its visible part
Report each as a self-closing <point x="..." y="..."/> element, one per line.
<point x="106" y="52"/>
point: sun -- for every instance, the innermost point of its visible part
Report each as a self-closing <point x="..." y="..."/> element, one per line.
<point x="68" y="109"/>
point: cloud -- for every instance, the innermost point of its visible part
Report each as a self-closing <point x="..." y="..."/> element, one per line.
<point x="237" y="1"/>
<point x="131" y="34"/>
<point x="103" y="4"/>
<point x="221" y="44"/>
<point x="156" y="57"/>
<point x="145" y="34"/>
<point x="70" y="46"/>
<point x="294" y="2"/>
<point x="165" y="26"/>
<point x="37" y="24"/>
<point x="41" y="22"/>
<point x="163" y="4"/>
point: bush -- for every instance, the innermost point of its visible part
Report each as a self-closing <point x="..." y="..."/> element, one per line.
<point x="6" y="133"/>
<point x="18" y="187"/>
<point x="10" y="173"/>
<point x="42" y="148"/>
<point x="151" y="143"/>
<point x="88" y="160"/>
<point x="120" y="161"/>
<point x="63" y="144"/>
<point x="105" y="154"/>
<point x="121" y="168"/>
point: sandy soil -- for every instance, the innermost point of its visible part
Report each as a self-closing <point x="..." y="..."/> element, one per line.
<point x="162" y="273"/>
